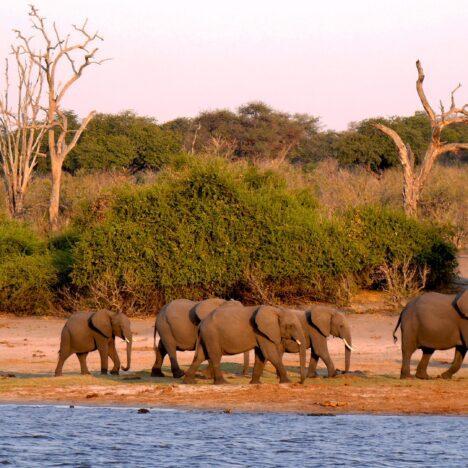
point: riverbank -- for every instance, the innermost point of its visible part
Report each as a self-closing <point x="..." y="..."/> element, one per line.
<point x="29" y="345"/>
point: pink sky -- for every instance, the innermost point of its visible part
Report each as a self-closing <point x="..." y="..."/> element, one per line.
<point x="340" y="60"/>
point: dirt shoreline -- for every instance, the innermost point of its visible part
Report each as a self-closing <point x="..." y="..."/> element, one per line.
<point x="28" y="350"/>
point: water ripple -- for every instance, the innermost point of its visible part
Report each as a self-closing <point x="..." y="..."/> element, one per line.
<point x="85" y="437"/>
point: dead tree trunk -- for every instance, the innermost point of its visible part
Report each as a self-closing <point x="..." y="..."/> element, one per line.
<point x="22" y="129"/>
<point x="415" y="176"/>
<point x="59" y="51"/>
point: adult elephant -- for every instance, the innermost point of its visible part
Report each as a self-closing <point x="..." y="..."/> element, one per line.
<point x="85" y="332"/>
<point x="233" y="329"/>
<point x="319" y="322"/>
<point x="433" y="321"/>
<point x="177" y="326"/>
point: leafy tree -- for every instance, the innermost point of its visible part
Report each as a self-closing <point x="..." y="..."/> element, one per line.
<point x="124" y="140"/>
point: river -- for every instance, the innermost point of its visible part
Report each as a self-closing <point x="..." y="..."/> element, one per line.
<point x="82" y="436"/>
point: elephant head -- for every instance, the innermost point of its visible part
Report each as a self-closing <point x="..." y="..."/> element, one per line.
<point x="460" y="303"/>
<point x="331" y="322"/>
<point x="111" y="324"/>
<point x="280" y="324"/>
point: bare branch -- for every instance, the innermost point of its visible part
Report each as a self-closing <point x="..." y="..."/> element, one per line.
<point x="422" y="95"/>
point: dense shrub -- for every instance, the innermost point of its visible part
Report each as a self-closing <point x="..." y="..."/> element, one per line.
<point x="230" y="230"/>
<point x="27" y="271"/>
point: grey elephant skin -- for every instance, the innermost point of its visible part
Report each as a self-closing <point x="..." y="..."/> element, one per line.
<point x="233" y="329"/>
<point x="85" y="332"/>
<point x="177" y="326"/>
<point x="433" y="321"/>
<point x="319" y="322"/>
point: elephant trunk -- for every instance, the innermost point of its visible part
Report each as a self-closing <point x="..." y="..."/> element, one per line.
<point x="348" y="349"/>
<point x="301" y="341"/>
<point x="129" y="340"/>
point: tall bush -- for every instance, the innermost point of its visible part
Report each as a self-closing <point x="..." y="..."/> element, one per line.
<point x="27" y="271"/>
<point x="213" y="228"/>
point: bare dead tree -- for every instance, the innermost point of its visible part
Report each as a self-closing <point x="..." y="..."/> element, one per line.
<point x="415" y="176"/>
<point x="63" y="60"/>
<point x="23" y="126"/>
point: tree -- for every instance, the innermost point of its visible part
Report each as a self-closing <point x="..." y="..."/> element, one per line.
<point x="415" y="176"/>
<point x="22" y="128"/>
<point x="123" y="141"/>
<point x="59" y="53"/>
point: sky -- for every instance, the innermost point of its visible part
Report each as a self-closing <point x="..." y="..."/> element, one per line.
<point x="340" y="60"/>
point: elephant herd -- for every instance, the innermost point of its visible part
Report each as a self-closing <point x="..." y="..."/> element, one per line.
<point x="216" y="327"/>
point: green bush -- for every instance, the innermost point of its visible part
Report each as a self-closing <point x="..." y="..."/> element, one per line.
<point x="211" y="227"/>
<point x="27" y="271"/>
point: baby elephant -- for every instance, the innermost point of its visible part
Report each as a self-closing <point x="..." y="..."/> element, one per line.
<point x="85" y="332"/>
<point x="433" y="321"/>
<point x="319" y="322"/>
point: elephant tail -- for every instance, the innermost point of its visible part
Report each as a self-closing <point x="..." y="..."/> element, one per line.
<point x="395" y="339"/>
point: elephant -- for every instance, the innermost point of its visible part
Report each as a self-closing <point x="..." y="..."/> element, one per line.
<point x="433" y="321"/>
<point x="233" y="329"/>
<point x="318" y="323"/>
<point x="177" y="326"/>
<point x="85" y="332"/>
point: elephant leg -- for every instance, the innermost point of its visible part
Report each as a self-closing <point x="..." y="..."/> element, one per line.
<point x="83" y="366"/>
<point x="115" y="358"/>
<point x="160" y="355"/>
<point x="325" y="356"/>
<point x="104" y="355"/>
<point x="258" y="367"/>
<point x="208" y="372"/>
<point x="214" y="354"/>
<point x="197" y="360"/>
<point x="272" y="354"/>
<point x="245" y="369"/>
<point x="408" y="347"/>
<point x="171" y="349"/>
<point x="421" y="370"/>
<point x="460" y="352"/>
<point x="63" y="356"/>
<point x="312" y="364"/>
<point x="64" y="351"/>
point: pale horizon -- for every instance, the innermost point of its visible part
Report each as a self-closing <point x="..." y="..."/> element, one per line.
<point x="340" y="61"/>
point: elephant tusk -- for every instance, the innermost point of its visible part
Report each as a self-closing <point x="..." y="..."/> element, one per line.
<point x="127" y="340"/>
<point x="348" y="345"/>
<point x="298" y="342"/>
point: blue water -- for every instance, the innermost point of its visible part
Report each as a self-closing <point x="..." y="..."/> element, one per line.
<point x="46" y="436"/>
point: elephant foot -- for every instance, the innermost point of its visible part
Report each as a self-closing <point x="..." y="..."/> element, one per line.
<point x="103" y="371"/>
<point x="405" y="375"/>
<point x="86" y="373"/>
<point x="58" y="374"/>
<point x="189" y="380"/>
<point x="446" y="375"/>
<point x="284" y="380"/>
<point x="220" y="381"/>
<point x="114" y="371"/>
<point x="245" y="373"/>
<point x="157" y="373"/>
<point x="422" y="376"/>
<point x="312" y="375"/>
<point x="178" y="373"/>
<point x="255" y="382"/>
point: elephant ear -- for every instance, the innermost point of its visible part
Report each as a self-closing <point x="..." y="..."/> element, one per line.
<point x="460" y="303"/>
<point x="320" y="319"/>
<point x="267" y="321"/>
<point x="100" y="322"/>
